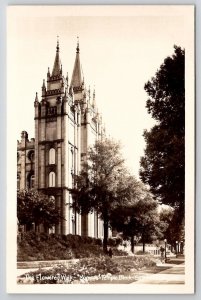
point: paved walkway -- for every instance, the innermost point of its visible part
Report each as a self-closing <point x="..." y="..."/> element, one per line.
<point x="170" y="274"/>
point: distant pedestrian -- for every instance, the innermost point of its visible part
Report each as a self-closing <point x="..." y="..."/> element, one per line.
<point x="162" y="254"/>
<point x="110" y="252"/>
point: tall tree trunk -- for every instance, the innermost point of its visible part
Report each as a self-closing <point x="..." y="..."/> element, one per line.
<point x="132" y="243"/>
<point x="143" y="243"/>
<point x="143" y="247"/>
<point x="105" y="237"/>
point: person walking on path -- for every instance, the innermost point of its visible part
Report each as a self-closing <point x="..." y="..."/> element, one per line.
<point x="162" y="254"/>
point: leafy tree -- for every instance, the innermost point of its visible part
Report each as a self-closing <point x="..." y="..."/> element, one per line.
<point x="137" y="215"/>
<point x="173" y="230"/>
<point x="123" y="215"/>
<point x="163" y="165"/>
<point x="150" y="228"/>
<point x="37" y="208"/>
<point x="97" y="186"/>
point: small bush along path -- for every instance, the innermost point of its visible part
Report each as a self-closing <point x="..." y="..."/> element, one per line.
<point x="101" y="269"/>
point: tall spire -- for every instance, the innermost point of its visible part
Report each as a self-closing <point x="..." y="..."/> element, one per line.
<point x="67" y="80"/>
<point x="76" y="81"/>
<point x="94" y="98"/>
<point x="36" y="100"/>
<point x="57" y="64"/>
<point x="78" y="46"/>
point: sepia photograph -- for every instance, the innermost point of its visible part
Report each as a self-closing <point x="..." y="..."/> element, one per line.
<point x="100" y="103"/>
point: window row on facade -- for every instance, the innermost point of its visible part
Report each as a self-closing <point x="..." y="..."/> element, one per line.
<point x="31" y="180"/>
<point x="30" y="156"/>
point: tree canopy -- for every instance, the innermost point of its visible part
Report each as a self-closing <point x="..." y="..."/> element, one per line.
<point x="173" y="230"/>
<point x="100" y="185"/>
<point x="105" y="186"/>
<point x="35" y="207"/>
<point x="163" y="164"/>
<point x="137" y="216"/>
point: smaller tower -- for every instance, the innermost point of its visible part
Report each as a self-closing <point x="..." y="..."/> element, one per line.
<point x="57" y="70"/>
<point x="25" y="162"/>
<point x="76" y="80"/>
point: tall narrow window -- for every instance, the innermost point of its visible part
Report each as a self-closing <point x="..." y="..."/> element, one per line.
<point x="52" y="156"/>
<point x="32" y="180"/>
<point x="31" y="155"/>
<point x="51" y="179"/>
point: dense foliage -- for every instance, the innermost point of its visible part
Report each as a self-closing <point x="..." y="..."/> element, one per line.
<point x="40" y="246"/>
<point x="173" y="231"/>
<point x="122" y="201"/>
<point x="36" y="208"/>
<point x="163" y="165"/>
<point x="97" y="187"/>
<point x="138" y="217"/>
<point x="88" y="270"/>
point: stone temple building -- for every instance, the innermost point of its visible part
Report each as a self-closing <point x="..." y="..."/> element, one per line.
<point x="66" y="123"/>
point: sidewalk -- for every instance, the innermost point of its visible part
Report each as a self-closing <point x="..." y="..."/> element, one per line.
<point x="172" y="274"/>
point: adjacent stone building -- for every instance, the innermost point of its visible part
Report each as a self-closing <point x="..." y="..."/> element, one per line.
<point x="66" y="123"/>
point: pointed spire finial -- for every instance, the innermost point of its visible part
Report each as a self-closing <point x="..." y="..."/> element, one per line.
<point x="43" y="86"/>
<point x="57" y="63"/>
<point x="36" y="102"/>
<point x="36" y="98"/>
<point x="57" y="43"/>
<point x="94" y="98"/>
<point x="78" y="46"/>
<point x="76" y="80"/>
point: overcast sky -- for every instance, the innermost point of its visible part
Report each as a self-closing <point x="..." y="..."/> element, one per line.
<point x="120" y="51"/>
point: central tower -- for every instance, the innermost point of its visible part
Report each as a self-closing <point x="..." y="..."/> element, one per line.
<point x="66" y="123"/>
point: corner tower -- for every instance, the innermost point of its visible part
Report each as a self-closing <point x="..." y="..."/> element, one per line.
<point x="66" y="124"/>
<point x="56" y="149"/>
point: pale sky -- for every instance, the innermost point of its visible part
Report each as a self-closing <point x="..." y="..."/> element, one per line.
<point x="119" y="51"/>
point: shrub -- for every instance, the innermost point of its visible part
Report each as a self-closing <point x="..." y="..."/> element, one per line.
<point x="98" y="242"/>
<point x="86" y="269"/>
<point x="140" y="252"/>
<point x="111" y="242"/>
<point x="136" y="263"/>
<point x="44" y="236"/>
<point x="117" y="252"/>
<point x="119" y="241"/>
<point x="41" y="246"/>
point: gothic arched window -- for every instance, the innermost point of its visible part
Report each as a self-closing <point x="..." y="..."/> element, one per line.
<point x="31" y="155"/>
<point x="51" y="179"/>
<point x="52" y="198"/>
<point x="52" y="156"/>
<point x="32" y="181"/>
